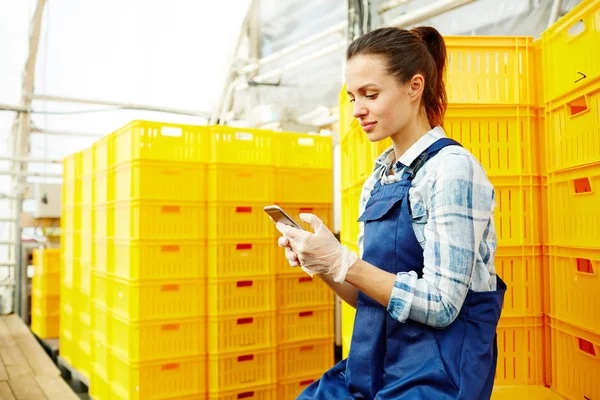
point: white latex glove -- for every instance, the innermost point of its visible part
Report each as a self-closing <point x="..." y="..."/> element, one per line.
<point x="319" y="252"/>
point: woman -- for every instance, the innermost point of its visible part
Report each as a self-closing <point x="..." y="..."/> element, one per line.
<point x="427" y="296"/>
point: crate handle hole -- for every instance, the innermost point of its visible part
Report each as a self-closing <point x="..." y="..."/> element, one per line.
<point x="244" y="136"/>
<point x="244" y="283"/>
<point x="585" y="266"/>
<point x="305" y="279"/>
<point x="577" y="106"/>
<point x="169" y="249"/>
<point x="245" y="321"/>
<point x="243" y="246"/>
<point x="306" y="382"/>
<point x="167" y="367"/>
<point x="587" y="347"/>
<point x="577" y="28"/>
<point x="248" y="357"/>
<point x="308" y="142"/>
<point x="245" y="395"/>
<point x="169" y="288"/>
<point x="582" y="185"/>
<point x="307" y="348"/>
<point x="305" y="314"/>
<point x="170" y="209"/>
<point x="243" y="209"/>
<point x="171" y="131"/>
<point x="170" y="327"/>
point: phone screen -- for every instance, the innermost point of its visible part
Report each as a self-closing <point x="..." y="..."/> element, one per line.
<point x="279" y="215"/>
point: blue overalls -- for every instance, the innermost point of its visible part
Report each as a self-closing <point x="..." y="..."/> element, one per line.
<point x="406" y="361"/>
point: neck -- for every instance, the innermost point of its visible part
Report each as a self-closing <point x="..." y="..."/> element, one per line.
<point x="404" y="139"/>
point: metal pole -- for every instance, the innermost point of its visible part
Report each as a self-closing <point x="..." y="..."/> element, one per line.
<point x="427" y="12"/>
<point x="554" y="12"/>
<point x="11" y="107"/>
<point x="51" y="132"/>
<point x="126" y="106"/>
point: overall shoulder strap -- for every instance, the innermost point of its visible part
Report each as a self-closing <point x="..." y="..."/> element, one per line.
<point x="428" y="153"/>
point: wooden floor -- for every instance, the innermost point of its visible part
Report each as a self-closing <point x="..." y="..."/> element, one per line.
<point x="26" y="371"/>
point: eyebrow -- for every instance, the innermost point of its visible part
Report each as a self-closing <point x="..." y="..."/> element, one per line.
<point x="365" y="86"/>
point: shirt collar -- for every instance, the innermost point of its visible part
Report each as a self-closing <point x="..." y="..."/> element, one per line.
<point x="388" y="156"/>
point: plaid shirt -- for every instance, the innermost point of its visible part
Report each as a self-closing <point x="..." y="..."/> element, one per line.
<point x="452" y="203"/>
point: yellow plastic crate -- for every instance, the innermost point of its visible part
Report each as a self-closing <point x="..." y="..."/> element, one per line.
<point x="238" y="258"/>
<point x="241" y="333"/>
<point x="68" y="267"/>
<point x="160" y="141"/>
<point x="490" y="70"/>
<point x="350" y="227"/>
<point x="576" y="361"/>
<point x="67" y="342"/>
<point x="99" y="290"/>
<point x="104" y="154"/>
<point x="148" y="301"/>
<point x="294" y="185"/>
<point x="301" y="150"/>
<point x="71" y="166"/>
<point x="101" y="319"/>
<point x="104" y="221"/>
<point x="231" y="145"/>
<point x="348" y="314"/>
<point x="520" y="351"/>
<point x="159" y="220"/>
<point x="47" y="284"/>
<point x="263" y="392"/>
<point x="158" y="260"/>
<point x="574" y="283"/>
<point x="84" y="346"/>
<point x="87" y="220"/>
<point x="572" y="126"/>
<point x="505" y="139"/>
<point x="346" y="110"/>
<point x="254" y="183"/>
<point x="104" y="187"/>
<point x="45" y="327"/>
<point x="71" y="180"/>
<point x="100" y="387"/>
<point x="86" y="252"/>
<point x="102" y="254"/>
<point x="290" y="389"/>
<point x="233" y="296"/>
<point x="156" y="380"/>
<point x="238" y="220"/>
<point x="300" y="290"/>
<point x="305" y="324"/>
<point x="154" y="340"/>
<point x="84" y="281"/>
<point x="346" y="347"/>
<point x="573" y="212"/>
<point x="568" y="50"/>
<point x="521" y="268"/>
<point x="232" y="371"/>
<point x="358" y="157"/>
<point x="518" y="211"/>
<point x="305" y="358"/>
<point x="536" y="392"/>
<point x="71" y="217"/>
<point x="165" y="181"/>
<point x="43" y="304"/>
<point x="87" y="162"/>
<point x="46" y="261"/>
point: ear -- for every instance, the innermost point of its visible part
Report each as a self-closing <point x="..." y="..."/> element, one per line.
<point x="416" y="87"/>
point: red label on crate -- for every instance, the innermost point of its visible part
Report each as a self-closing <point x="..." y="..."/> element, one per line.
<point x="169" y="366"/>
<point x="170" y="209"/>
<point x="249" y="357"/>
<point x="307" y="348"/>
<point x="245" y="283"/>
<point x="306" y="382"/>
<point x="305" y="314"/>
<point x="245" y="395"/>
<point x="169" y="249"/>
<point x="243" y="209"/>
<point x="244" y="321"/>
<point x="244" y="246"/>
<point x="305" y="279"/>
<point x="169" y="288"/>
<point x="170" y="327"/>
<point x="306" y="210"/>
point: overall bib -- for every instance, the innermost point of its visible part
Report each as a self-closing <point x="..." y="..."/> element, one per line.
<point x="402" y="361"/>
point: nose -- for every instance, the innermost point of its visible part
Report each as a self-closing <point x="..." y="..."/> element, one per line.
<point x="359" y="109"/>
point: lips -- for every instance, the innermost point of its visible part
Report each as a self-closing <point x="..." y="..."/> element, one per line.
<point x="368" y="126"/>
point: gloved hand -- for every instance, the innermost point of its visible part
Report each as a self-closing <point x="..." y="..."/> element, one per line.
<point x="319" y="252"/>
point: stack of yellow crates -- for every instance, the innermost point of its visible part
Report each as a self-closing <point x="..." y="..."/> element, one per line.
<point x="45" y="293"/>
<point x="572" y="143"/>
<point x="156" y="270"/>
<point x="69" y="259"/>
<point x="492" y="112"/>
<point x="303" y="184"/>
<point x="241" y="286"/>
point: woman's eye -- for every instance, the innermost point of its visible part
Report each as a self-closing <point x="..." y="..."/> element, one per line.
<point x="371" y="96"/>
<point x="351" y="100"/>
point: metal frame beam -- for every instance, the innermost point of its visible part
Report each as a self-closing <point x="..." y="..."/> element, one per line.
<point x="426" y="12"/>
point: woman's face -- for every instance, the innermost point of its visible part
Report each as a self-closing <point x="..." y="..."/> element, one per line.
<point x="381" y="104"/>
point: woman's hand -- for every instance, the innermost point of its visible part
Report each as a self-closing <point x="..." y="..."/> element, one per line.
<point x="319" y="252"/>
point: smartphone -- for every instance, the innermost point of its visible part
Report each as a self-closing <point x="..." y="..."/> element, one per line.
<point x="279" y="215"/>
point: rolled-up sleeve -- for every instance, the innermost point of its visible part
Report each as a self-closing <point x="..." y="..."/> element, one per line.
<point x="460" y="206"/>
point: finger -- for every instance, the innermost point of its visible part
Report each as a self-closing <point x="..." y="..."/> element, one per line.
<point x="288" y="231"/>
<point x="283" y="242"/>
<point x="291" y="257"/>
<point x="312" y="220"/>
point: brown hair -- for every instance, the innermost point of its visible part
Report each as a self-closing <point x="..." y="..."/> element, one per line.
<point x="420" y="50"/>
